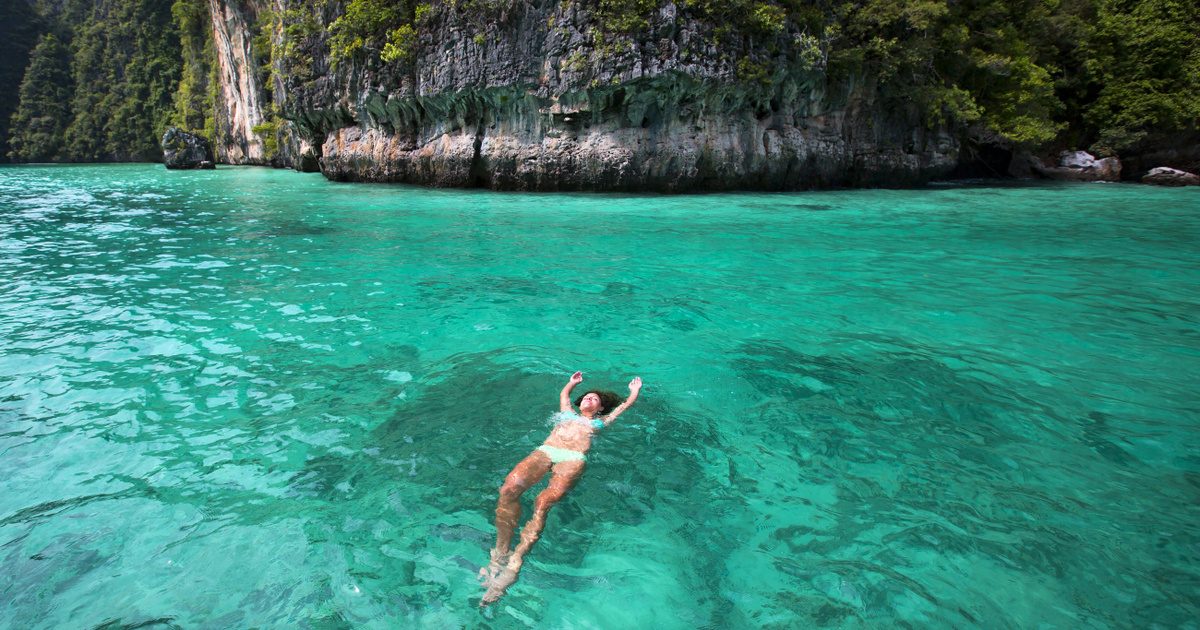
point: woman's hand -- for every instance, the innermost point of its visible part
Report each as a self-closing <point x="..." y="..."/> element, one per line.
<point x="564" y="397"/>
<point x="635" y="386"/>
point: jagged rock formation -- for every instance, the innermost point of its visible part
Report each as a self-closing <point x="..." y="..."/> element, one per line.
<point x="1080" y="166"/>
<point x="607" y="94"/>
<point x="249" y="90"/>
<point x="532" y="102"/>
<point x="1165" y="176"/>
<point x="1179" y="151"/>
<point x="182" y="150"/>
<point x="239" y="89"/>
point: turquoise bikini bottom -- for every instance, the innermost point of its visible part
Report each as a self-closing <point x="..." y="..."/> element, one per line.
<point x="557" y="454"/>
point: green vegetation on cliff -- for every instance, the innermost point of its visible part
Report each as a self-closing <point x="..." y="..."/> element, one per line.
<point x="126" y="66"/>
<point x="122" y="67"/>
<point x="1037" y="71"/>
<point x="195" y="98"/>
<point x="1112" y="74"/>
<point x="1030" y="73"/>
<point x="1143" y="62"/>
<point x="19" y="33"/>
<point x="41" y="118"/>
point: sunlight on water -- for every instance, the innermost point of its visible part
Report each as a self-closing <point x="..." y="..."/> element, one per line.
<point x="248" y="397"/>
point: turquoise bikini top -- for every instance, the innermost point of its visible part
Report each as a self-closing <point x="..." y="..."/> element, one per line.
<point x="570" y="416"/>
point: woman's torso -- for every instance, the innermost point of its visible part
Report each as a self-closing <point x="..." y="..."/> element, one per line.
<point x="573" y="432"/>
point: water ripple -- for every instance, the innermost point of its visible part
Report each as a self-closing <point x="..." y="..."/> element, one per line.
<point x="252" y="397"/>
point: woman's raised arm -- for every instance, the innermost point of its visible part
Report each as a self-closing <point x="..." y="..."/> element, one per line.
<point x="635" y="386"/>
<point x="564" y="397"/>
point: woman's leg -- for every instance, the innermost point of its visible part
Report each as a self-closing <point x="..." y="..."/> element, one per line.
<point x="508" y="508"/>
<point x="566" y="474"/>
<point x="564" y="478"/>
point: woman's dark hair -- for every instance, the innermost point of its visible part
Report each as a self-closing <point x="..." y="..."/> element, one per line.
<point x="608" y="400"/>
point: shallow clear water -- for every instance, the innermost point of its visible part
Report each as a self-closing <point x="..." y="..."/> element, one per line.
<point x="256" y="398"/>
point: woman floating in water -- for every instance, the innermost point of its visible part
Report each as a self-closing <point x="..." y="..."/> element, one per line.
<point x="564" y="455"/>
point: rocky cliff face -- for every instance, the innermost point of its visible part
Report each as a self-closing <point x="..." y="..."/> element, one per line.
<point x="183" y="150"/>
<point x="250" y="93"/>
<point x="239" y="91"/>
<point x="530" y="98"/>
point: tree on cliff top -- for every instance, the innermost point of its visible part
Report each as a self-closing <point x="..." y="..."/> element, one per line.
<point x="43" y="112"/>
<point x="195" y="98"/>
<point x="101" y="88"/>
<point x="1145" y="60"/>
<point x="19" y="33"/>
<point x="125" y="66"/>
<point x="1120" y="73"/>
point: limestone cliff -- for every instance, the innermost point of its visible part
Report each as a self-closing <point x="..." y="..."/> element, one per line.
<point x="608" y="94"/>
<point x="239" y="92"/>
<point x="249" y="96"/>
<point x="528" y="97"/>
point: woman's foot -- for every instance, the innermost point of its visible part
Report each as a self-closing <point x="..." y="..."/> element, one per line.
<point x="498" y="585"/>
<point x="488" y="574"/>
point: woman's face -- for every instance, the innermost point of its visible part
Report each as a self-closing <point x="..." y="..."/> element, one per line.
<point x="590" y="402"/>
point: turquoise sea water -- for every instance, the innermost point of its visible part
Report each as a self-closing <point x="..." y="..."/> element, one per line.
<point x="257" y="398"/>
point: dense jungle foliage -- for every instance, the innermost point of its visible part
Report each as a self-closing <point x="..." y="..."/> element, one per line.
<point x="100" y="79"/>
<point x="19" y="30"/>
<point x="100" y="83"/>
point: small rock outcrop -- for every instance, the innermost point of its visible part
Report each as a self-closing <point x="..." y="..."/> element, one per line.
<point x="185" y="150"/>
<point x="1081" y="166"/>
<point x="1166" y="176"/>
